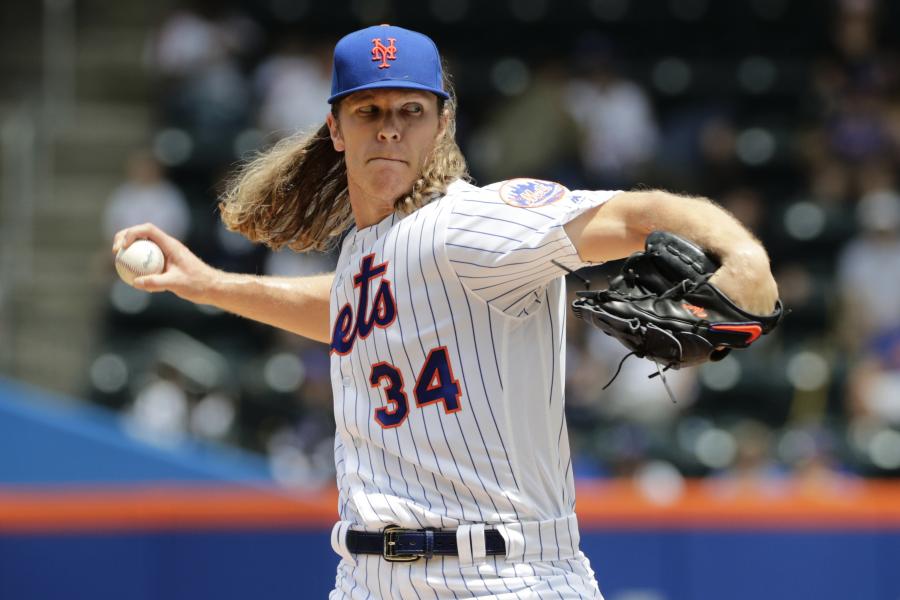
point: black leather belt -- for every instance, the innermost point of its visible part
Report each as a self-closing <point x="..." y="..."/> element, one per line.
<point x="406" y="545"/>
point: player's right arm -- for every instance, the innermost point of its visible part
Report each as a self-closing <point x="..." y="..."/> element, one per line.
<point x="296" y="304"/>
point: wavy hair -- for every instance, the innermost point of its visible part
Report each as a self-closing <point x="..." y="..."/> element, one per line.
<point x="295" y="194"/>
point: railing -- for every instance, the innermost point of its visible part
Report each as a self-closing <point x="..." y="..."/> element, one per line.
<point x="18" y="157"/>
<point x="26" y="161"/>
<point x="59" y="55"/>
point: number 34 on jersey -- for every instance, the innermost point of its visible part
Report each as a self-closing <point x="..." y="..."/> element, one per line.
<point x="435" y="381"/>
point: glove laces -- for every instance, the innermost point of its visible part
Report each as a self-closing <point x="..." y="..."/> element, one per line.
<point x="659" y="372"/>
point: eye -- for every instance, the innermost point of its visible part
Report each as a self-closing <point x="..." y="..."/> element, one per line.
<point x="413" y="108"/>
<point x="367" y="109"/>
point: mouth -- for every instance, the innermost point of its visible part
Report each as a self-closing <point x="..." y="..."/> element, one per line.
<point x="396" y="160"/>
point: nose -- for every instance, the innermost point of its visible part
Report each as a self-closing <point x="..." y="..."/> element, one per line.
<point x="389" y="128"/>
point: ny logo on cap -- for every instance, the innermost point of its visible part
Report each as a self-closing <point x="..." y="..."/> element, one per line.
<point x="384" y="53"/>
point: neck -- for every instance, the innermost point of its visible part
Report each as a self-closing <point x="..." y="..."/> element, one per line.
<point x="368" y="209"/>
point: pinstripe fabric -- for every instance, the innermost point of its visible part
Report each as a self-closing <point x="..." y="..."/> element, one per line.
<point x="464" y="296"/>
<point x="443" y="577"/>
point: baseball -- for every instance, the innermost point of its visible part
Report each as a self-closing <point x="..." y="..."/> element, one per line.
<point x="142" y="257"/>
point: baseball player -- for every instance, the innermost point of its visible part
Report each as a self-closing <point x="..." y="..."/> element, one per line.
<point x="445" y="320"/>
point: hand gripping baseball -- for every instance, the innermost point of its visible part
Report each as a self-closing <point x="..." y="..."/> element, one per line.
<point x="663" y="306"/>
<point x="185" y="275"/>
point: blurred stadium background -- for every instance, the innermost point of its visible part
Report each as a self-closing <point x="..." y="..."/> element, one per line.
<point x="785" y="111"/>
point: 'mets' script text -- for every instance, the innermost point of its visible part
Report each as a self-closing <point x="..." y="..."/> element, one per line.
<point x="382" y="314"/>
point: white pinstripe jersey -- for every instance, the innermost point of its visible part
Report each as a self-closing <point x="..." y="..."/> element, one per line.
<point x="447" y="359"/>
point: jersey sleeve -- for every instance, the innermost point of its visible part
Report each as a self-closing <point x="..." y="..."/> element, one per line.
<point x="507" y="241"/>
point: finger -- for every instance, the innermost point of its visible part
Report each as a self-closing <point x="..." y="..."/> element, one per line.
<point x="117" y="241"/>
<point x="129" y="235"/>
<point x="145" y="231"/>
<point x="167" y="243"/>
<point x="149" y="283"/>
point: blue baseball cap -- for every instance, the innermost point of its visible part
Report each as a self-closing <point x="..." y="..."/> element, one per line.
<point x="385" y="56"/>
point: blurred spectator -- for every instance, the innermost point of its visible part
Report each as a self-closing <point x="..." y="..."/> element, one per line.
<point x="185" y="45"/>
<point x="892" y="122"/>
<point x="753" y="467"/>
<point x="810" y="451"/>
<point x="874" y="383"/>
<point x="213" y="417"/>
<point x="212" y="108"/>
<point x="755" y="456"/>
<point x="293" y="85"/>
<point x="659" y="482"/>
<point x="876" y="175"/>
<point x="807" y="295"/>
<point x="505" y="149"/>
<point x="160" y="411"/>
<point x="190" y="40"/>
<point x="858" y="130"/>
<point x="851" y="88"/>
<point x="147" y="196"/>
<point x="855" y="38"/>
<point x="618" y="129"/>
<point x="697" y="149"/>
<point x="873" y="256"/>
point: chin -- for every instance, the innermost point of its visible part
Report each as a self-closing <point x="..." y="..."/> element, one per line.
<point x="391" y="185"/>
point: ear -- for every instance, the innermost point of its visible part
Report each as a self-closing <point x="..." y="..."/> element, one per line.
<point x="337" y="139"/>
<point x="443" y="122"/>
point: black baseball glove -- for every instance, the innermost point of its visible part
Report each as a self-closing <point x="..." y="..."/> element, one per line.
<point x="661" y="306"/>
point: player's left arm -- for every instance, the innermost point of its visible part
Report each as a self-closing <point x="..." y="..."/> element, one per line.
<point x="619" y="227"/>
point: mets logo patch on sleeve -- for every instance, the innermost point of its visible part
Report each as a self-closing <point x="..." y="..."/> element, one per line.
<point x="531" y="193"/>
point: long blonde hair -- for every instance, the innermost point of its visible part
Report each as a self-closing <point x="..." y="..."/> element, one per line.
<point x="295" y="194"/>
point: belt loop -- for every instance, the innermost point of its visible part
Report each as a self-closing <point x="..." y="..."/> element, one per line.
<point x="470" y="545"/>
<point x="429" y="544"/>
<point x="514" y="538"/>
<point x="339" y="541"/>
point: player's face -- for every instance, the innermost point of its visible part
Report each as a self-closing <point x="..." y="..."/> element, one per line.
<point x="386" y="137"/>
